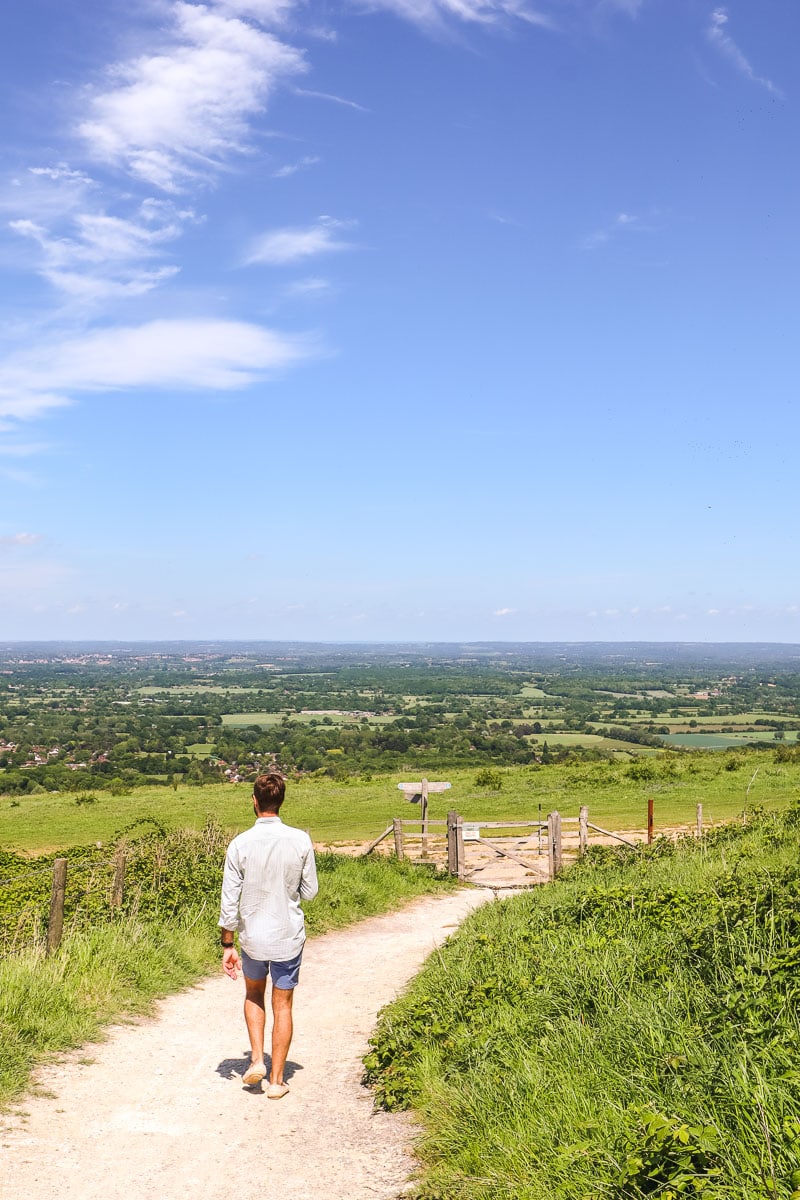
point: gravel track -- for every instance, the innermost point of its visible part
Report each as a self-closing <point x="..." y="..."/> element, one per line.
<point x="158" y="1109"/>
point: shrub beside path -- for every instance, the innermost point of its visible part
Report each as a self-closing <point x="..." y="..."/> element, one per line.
<point x="158" y="1110"/>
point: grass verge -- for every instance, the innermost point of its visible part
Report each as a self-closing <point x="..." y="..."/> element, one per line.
<point x="631" y="1032"/>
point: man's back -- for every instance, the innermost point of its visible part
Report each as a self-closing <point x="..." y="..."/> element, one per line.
<point x="268" y="869"/>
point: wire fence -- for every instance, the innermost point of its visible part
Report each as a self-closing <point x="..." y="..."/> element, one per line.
<point x="158" y="873"/>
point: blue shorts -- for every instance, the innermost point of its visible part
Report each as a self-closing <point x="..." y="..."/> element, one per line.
<point x="283" y="974"/>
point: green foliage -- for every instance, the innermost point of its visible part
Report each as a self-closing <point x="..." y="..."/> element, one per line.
<point x="632" y="1031"/>
<point x="666" y="1157"/>
<point x="489" y="779"/>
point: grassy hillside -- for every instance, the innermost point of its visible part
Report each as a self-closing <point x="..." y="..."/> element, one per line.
<point x="333" y="812"/>
<point x="631" y="1031"/>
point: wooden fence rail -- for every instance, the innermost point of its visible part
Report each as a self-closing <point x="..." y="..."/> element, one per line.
<point x="454" y="824"/>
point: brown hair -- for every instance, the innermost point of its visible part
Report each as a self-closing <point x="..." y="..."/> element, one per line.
<point x="268" y="792"/>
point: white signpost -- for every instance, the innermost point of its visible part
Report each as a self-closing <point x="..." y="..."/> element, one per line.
<point x="417" y="793"/>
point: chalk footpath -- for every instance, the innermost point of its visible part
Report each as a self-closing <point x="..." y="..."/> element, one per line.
<point x="159" y="1111"/>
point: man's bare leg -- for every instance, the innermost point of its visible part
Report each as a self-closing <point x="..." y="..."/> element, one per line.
<point x="282" y="1029"/>
<point x="255" y="1018"/>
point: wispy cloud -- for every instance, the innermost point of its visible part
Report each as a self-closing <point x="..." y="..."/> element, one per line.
<point x="20" y="539"/>
<point x="281" y="246"/>
<point x="436" y="14"/>
<point x="312" y="286"/>
<point x="723" y="42"/>
<point x="309" y="160"/>
<point x="266" y="12"/>
<point x="198" y="354"/>
<point x="622" y="223"/>
<point x="298" y="91"/>
<point x="178" y="115"/>
<point x="171" y="118"/>
<point x="96" y="255"/>
<point x="503" y="612"/>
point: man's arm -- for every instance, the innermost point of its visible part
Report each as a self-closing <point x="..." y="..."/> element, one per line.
<point x="232" y="880"/>
<point x="308" y="880"/>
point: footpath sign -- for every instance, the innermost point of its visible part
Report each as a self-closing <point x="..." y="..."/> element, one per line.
<point x="417" y="793"/>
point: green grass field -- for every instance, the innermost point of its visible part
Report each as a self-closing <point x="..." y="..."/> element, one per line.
<point x="265" y="719"/>
<point x="336" y="812"/>
<point x="723" y="741"/>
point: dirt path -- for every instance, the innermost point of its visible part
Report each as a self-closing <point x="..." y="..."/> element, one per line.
<point x="159" y="1110"/>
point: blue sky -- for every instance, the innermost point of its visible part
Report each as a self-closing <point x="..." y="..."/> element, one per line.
<point x="406" y="319"/>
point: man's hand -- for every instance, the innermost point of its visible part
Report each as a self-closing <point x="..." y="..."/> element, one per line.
<point x="230" y="961"/>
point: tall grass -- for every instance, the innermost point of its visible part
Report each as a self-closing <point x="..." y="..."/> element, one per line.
<point x="629" y="1032"/>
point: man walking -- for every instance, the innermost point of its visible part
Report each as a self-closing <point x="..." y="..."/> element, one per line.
<point x="269" y="869"/>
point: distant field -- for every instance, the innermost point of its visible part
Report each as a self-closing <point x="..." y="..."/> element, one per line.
<point x="201" y="749"/>
<point x="338" y="812"/>
<point x="747" y="718"/>
<point x="197" y="689"/>
<point x="721" y="741"/>
<point x="266" y="719"/>
<point x="554" y="738"/>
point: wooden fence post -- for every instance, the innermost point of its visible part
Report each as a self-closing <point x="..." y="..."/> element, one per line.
<point x="649" y="820"/>
<point x="55" y="924"/>
<point x="452" y="844"/>
<point x="699" y="820"/>
<point x="460" y="863"/>
<point x="118" y="886"/>
<point x="424" y="806"/>
<point x="583" y="829"/>
<point x="399" y="848"/>
<point x="554" y="843"/>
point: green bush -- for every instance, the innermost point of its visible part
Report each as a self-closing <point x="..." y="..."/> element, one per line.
<point x="491" y="780"/>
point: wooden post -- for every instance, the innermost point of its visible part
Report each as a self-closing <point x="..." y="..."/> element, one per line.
<point x="118" y="886"/>
<point x="377" y="841"/>
<point x="56" y="923"/>
<point x="649" y="820"/>
<point x="554" y="843"/>
<point x="583" y="829"/>
<point x="460" y="862"/>
<point x="699" y="820"/>
<point x="452" y="845"/>
<point x="424" y="806"/>
<point x="398" y="839"/>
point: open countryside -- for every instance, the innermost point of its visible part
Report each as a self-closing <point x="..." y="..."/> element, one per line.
<point x="145" y="755"/>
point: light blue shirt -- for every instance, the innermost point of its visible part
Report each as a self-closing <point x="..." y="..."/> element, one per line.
<point x="269" y="869"/>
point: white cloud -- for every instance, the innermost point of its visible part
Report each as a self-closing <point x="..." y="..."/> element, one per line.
<point x="289" y="245"/>
<point x="328" y="96"/>
<point x="310" y="287"/>
<point x="309" y="160"/>
<point x="166" y="354"/>
<point x="503" y="612"/>
<point x="728" y="47"/>
<point x="433" y="14"/>
<point x="22" y="449"/>
<point x="20" y="539"/>
<point x="99" y="255"/>
<point x="175" y="116"/>
<point x="266" y="12"/>
<point x="621" y="223"/>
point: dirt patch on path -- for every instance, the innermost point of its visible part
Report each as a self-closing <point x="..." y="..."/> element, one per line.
<point x="160" y="1111"/>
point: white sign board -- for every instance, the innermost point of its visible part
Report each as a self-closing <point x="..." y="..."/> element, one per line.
<point x="471" y="831"/>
